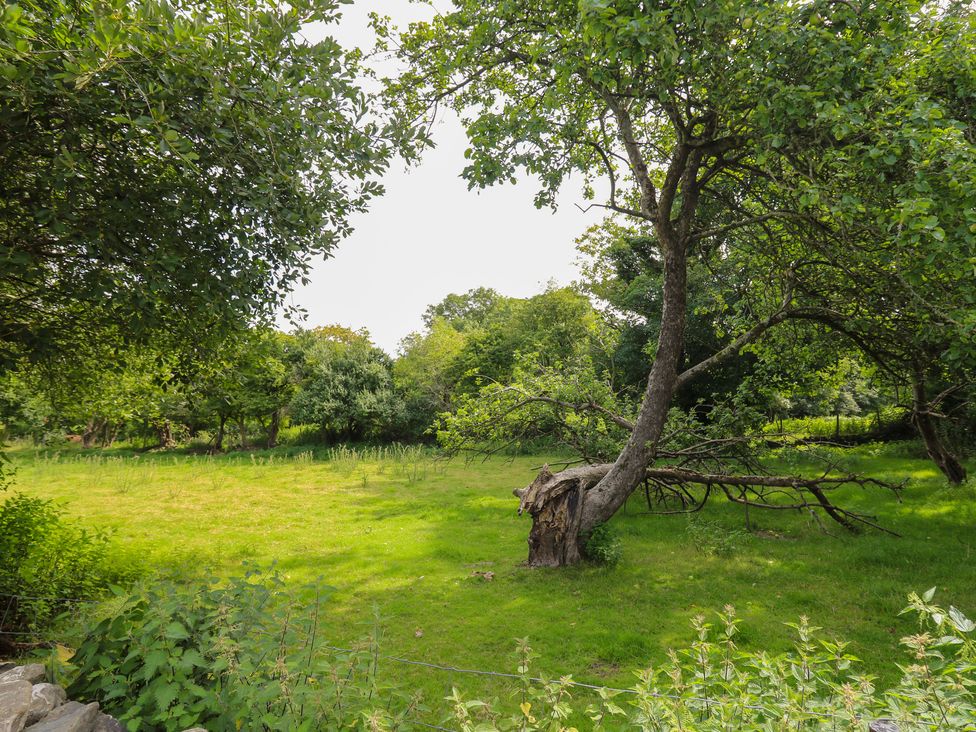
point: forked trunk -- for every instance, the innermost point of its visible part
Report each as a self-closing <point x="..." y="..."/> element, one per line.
<point x="934" y="445"/>
<point x="567" y="506"/>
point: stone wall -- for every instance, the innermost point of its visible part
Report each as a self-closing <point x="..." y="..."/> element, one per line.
<point x="27" y="702"/>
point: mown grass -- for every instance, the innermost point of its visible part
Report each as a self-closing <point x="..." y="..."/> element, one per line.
<point x="406" y="535"/>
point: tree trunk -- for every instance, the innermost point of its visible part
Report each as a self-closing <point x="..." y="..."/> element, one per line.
<point x="219" y="441"/>
<point x="165" y="433"/>
<point x="89" y="433"/>
<point x="274" y="428"/>
<point x="564" y="508"/>
<point x="555" y="502"/>
<point x="109" y="432"/>
<point x="925" y="424"/>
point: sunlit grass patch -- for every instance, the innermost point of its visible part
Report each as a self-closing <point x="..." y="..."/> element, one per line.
<point x="402" y="531"/>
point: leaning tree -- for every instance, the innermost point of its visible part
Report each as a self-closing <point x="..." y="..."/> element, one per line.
<point x="679" y="116"/>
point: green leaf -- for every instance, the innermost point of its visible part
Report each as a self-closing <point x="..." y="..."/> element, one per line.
<point x="165" y="695"/>
<point x="176" y="631"/>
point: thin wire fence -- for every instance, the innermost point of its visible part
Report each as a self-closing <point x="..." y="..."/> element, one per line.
<point x="10" y="600"/>
<point x="563" y="680"/>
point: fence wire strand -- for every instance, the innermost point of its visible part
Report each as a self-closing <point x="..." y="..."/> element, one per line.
<point x="562" y="680"/>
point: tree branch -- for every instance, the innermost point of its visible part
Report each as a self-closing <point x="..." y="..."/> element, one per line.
<point x="743" y="340"/>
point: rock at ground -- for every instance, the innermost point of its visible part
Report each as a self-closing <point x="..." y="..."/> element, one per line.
<point x="70" y="717"/>
<point x="195" y="729"/>
<point x="44" y="698"/>
<point x="15" y="700"/>
<point x="32" y="672"/>
<point x="883" y="725"/>
<point x="105" y="723"/>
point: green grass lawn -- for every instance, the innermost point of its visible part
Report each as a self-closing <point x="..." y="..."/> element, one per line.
<point x="406" y="536"/>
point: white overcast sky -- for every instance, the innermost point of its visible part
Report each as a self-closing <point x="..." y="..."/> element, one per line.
<point x="429" y="236"/>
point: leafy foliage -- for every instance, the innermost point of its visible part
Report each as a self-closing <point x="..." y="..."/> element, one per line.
<point x="169" y="168"/>
<point x="713" y="685"/>
<point x="603" y="546"/>
<point x="248" y="653"/>
<point x="567" y="403"/>
<point x="345" y="386"/>
<point x="48" y="564"/>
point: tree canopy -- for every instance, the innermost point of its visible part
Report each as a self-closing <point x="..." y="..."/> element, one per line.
<point x="171" y="167"/>
<point x="791" y="140"/>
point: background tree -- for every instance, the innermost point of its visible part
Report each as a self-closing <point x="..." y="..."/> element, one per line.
<point x="483" y="338"/>
<point x="465" y="311"/>
<point x="169" y="168"/>
<point x="346" y="386"/>
<point x="427" y="373"/>
<point x="689" y="139"/>
<point x="254" y="381"/>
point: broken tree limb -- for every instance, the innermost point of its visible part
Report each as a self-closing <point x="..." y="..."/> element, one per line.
<point x="556" y="500"/>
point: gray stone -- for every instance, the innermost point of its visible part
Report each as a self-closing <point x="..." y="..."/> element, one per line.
<point x="68" y="708"/>
<point x="15" y="699"/>
<point x="883" y="725"/>
<point x="6" y="666"/>
<point x="71" y="717"/>
<point x="32" y="672"/>
<point x="195" y="729"/>
<point x="44" y="698"/>
<point x="105" y="723"/>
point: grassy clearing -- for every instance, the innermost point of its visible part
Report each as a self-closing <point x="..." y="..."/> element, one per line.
<point x="406" y="534"/>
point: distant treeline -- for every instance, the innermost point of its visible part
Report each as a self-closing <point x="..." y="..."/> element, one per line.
<point x="332" y="384"/>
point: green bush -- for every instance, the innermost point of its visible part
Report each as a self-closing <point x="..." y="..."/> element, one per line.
<point x="713" y="686"/>
<point x="47" y="563"/>
<point x="603" y="546"/>
<point x="250" y="655"/>
<point x="247" y="654"/>
<point x="826" y="427"/>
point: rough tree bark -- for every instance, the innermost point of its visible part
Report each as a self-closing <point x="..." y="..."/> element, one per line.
<point x="564" y="507"/>
<point x="555" y="502"/>
<point x="924" y="419"/>
<point x="164" y="432"/>
<point x="89" y="434"/>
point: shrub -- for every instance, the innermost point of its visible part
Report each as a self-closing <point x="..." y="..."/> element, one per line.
<point x="244" y="655"/>
<point x="603" y="546"/>
<point x="250" y="655"/>
<point x="47" y="562"/>
<point x="713" y="686"/>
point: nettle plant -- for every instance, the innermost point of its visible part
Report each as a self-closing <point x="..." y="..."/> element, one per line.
<point x="248" y="654"/>
<point x="713" y="685"/>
